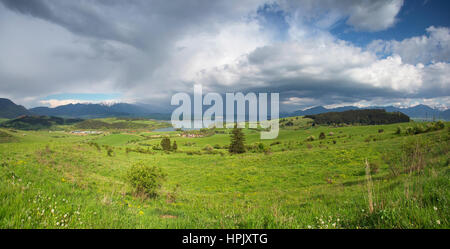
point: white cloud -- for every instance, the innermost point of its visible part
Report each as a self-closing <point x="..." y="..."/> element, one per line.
<point x="433" y="47"/>
<point x="147" y="50"/>
<point x="368" y="15"/>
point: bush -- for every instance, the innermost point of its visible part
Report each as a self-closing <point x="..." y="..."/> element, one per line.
<point x="439" y="125"/>
<point x="110" y="151"/>
<point x="409" y="130"/>
<point x="208" y="148"/>
<point x="310" y="138"/>
<point x="275" y="143"/>
<point x="380" y="130"/>
<point x="165" y="144"/>
<point x="322" y="135"/>
<point x="418" y="129"/>
<point x="374" y="166"/>
<point x="398" y="131"/>
<point x="174" y="146"/>
<point x="145" y="179"/>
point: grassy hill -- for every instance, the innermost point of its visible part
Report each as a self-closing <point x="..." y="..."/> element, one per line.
<point x="6" y="137"/>
<point x="68" y="181"/>
<point x="121" y="124"/>
<point x="37" y="122"/>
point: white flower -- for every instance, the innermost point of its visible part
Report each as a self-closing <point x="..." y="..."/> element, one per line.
<point x="309" y="227"/>
<point x="435" y="208"/>
<point x="438" y="222"/>
<point x="53" y="211"/>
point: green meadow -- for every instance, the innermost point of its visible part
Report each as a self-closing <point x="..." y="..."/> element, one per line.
<point x="355" y="177"/>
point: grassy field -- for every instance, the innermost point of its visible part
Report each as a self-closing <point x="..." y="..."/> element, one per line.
<point x="60" y="180"/>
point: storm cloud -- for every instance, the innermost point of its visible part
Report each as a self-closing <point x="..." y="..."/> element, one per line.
<point x="149" y="50"/>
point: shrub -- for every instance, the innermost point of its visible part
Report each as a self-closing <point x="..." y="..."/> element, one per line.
<point x="275" y="143"/>
<point x="217" y="146"/>
<point x="398" y="131"/>
<point x="110" y="151"/>
<point x="310" y="138"/>
<point x="380" y="130"/>
<point x="374" y="167"/>
<point x="322" y="135"/>
<point x="145" y="179"/>
<point x="409" y="130"/>
<point x="165" y="144"/>
<point x="418" y="129"/>
<point x="208" y="148"/>
<point x="439" y="125"/>
<point x="174" y="146"/>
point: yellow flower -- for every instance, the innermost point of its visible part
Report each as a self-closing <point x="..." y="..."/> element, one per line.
<point x="140" y="212"/>
<point x="63" y="180"/>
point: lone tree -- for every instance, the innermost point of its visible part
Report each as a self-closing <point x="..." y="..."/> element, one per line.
<point x="237" y="141"/>
<point x="165" y="144"/>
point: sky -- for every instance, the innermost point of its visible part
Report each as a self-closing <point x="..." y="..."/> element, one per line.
<point x="312" y="52"/>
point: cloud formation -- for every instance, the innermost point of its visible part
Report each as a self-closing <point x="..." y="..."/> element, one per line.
<point x="433" y="47"/>
<point x="148" y="50"/>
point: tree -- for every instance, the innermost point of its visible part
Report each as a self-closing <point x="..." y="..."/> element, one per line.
<point x="237" y="141"/>
<point x="174" y="146"/>
<point x="165" y="144"/>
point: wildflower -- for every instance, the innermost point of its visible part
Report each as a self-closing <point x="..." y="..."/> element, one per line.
<point x="435" y="208"/>
<point x="438" y="222"/>
<point x="309" y="227"/>
<point x="140" y="212"/>
<point x="53" y="211"/>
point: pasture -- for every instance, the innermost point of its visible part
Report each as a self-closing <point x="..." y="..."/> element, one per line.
<point x="60" y="180"/>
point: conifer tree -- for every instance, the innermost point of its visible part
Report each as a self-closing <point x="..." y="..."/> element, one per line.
<point x="237" y="141"/>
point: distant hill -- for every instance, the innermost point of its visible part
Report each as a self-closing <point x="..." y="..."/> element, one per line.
<point x="98" y="111"/>
<point x="418" y="111"/>
<point x="9" y="109"/>
<point x="37" y="122"/>
<point x="365" y="116"/>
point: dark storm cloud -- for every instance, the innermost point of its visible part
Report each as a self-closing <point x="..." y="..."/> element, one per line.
<point x="148" y="50"/>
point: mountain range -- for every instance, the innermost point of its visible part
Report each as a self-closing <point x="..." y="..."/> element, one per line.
<point x="9" y="109"/>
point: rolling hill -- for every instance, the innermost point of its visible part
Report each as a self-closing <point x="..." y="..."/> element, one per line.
<point x="418" y="111"/>
<point x="37" y="122"/>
